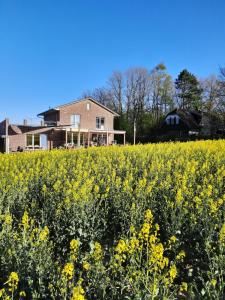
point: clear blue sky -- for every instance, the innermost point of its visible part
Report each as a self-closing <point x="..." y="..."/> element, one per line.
<point x="51" y="51"/>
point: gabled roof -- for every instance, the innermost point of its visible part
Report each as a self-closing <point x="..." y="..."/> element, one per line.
<point x="77" y="101"/>
<point x="191" y="118"/>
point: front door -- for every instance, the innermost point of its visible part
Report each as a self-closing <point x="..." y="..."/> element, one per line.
<point x="44" y="141"/>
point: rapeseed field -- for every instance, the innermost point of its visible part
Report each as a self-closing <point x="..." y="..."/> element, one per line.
<point x="133" y="222"/>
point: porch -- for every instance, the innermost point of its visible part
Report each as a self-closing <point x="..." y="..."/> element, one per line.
<point x="91" y="137"/>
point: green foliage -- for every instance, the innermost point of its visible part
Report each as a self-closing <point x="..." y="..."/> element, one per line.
<point x="188" y="90"/>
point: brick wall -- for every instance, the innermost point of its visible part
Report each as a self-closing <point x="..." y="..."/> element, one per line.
<point x="87" y="117"/>
<point x="19" y="140"/>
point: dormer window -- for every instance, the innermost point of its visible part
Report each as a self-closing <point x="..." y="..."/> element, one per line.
<point x="172" y="120"/>
<point x="88" y="106"/>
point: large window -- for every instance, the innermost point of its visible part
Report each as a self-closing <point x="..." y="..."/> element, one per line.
<point x="33" y="140"/>
<point x="72" y="138"/>
<point x="100" y="122"/>
<point x="75" y="121"/>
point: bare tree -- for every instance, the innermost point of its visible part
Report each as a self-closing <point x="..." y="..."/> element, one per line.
<point x="137" y="91"/>
<point x="221" y="104"/>
<point x="161" y="91"/>
<point x="116" y="85"/>
<point x="102" y="95"/>
<point x="211" y="93"/>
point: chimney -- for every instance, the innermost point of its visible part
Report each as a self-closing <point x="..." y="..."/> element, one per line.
<point x="25" y="122"/>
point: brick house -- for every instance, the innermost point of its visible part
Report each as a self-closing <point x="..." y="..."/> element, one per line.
<point x="83" y="122"/>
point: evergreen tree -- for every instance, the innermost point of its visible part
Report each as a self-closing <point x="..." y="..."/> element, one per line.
<point x="188" y="91"/>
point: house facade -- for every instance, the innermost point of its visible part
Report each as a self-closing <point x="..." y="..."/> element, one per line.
<point x="84" y="122"/>
<point x="180" y="122"/>
<point x="184" y="123"/>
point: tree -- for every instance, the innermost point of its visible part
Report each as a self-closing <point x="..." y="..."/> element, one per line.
<point x="102" y="95"/>
<point x="221" y="104"/>
<point x="188" y="91"/>
<point x="161" y="91"/>
<point x="116" y="84"/>
<point x="210" y="93"/>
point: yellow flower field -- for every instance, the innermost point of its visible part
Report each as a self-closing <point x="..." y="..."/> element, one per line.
<point x="134" y="222"/>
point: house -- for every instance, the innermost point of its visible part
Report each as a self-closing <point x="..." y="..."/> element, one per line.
<point x="83" y="122"/>
<point x="181" y="122"/>
<point x="184" y="123"/>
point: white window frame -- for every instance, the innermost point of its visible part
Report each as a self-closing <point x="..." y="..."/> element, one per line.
<point x="172" y="120"/>
<point x="75" y="121"/>
<point x="33" y="134"/>
<point x="88" y="106"/>
<point x="99" y="123"/>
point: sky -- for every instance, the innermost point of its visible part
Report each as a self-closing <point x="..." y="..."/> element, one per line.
<point x="52" y="51"/>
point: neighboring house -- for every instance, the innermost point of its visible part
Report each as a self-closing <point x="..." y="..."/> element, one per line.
<point x="180" y="122"/>
<point x="184" y="123"/>
<point x="83" y="122"/>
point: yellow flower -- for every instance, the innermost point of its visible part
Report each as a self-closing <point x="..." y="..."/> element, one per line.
<point x="179" y="196"/>
<point x="25" y="220"/>
<point x="86" y="265"/>
<point x="152" y="239"/>
<point x="133" y="245"/>
<point x="156" y="259"/>
<point x="96" y="189"/>
<point x="173" y="239"/>
<point x="180" y="255"/>
<point x="78" y="293"/>
<point x="97" y="254"/>
<point x="183" y="287"/>
<point x="121" y="247"/>
<point x="213" y="282"/>
<point x="67" y="271"/>
<point x="22" y="294"/>
<point x="44" y="233"/>
<point x="222" y="234"/>
<point x="74" y="245"/>
<point x="173" y="272"/>
<point x="2" y="291"/>
<point x="13" y="281"/>
<point x="148" y="216"/>
<point x="132" y="229"/>
<point x="8" y="219"/>
<point x="209" y="190"/>
<point x="145" y="230"/>
<point x="157" y="227"/>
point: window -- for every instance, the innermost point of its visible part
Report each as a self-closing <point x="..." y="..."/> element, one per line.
<point x="73" y="138"/>
<point x="172" y="120"/>
<point x="36" y="139"/>
<point x="33" y="140"/>
<point x="44" y="141"/>
<point x="75" y="121"/>
<point x="88" y="106"/>
<point x="29" y="140"/>
<point x="100" y="122"/>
